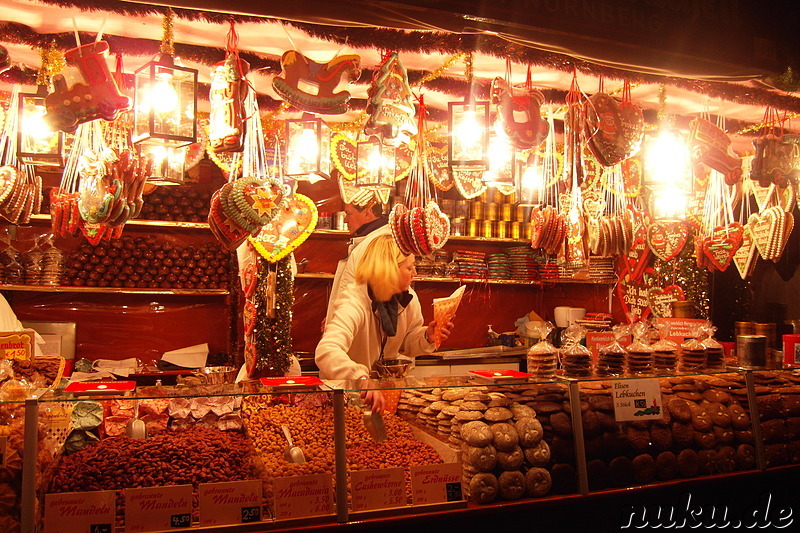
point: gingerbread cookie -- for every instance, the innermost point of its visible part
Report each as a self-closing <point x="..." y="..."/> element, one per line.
<point x="539" y="455"/>
<point x="505" y="436"/>
<point x="537" y="482"/>
<point x="530" y="431"/>
<point x="483" y="487"/>
<point x="512" y="485"/>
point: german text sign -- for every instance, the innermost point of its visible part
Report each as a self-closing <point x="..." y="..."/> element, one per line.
<point x="156" y="508"/>
<point x="302" y="496"/>
<point x="436" y="483"/>
<point x="231" y="502"/>
<point x="637" y="399"/>
<point x="80" y="512"/>
<point x="378" y="489"/>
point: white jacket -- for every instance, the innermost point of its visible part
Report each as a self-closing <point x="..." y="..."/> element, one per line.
<point x="351" y="342"/>
<point x="346" y="269"/>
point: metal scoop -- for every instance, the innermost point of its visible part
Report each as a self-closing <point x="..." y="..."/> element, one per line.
<point x="135" y="428"/>
<point x="292" y="453"/>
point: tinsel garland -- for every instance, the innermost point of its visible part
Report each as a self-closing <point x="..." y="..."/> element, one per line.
<point x="684" y="272"/>
<point x="273" y="336"/>
<point x="399" y="40"/>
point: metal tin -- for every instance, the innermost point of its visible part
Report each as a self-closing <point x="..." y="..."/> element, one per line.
<point x="744" y="328"/>
<point x="506" y="211"/>
<point x="461" y="209"/>
<point x="448" y="207"/>
<point x="521" y="214"/>
<point x="325" y="220"/>
<point x="472" y="227"/>
<point x="751" y="351"/>
<point x="487" y="229"/>
<point x="683" y="309"/>
<point x="339" y="220"/>
<point x="458" y="226"/>
<point x="492" y="211"/>
<point x="501" y="229"/>
<point x="516" y="229"/>
<point x="476" y="210"/>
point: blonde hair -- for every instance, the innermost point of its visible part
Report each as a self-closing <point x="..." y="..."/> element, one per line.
<point x="378" y="267"/>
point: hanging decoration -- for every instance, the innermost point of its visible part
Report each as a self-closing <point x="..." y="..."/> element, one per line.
<point x="268" y="346"/>
<point x="375" y="164"/>
<point x="711" y="146"/>
<point x="533" y="129"/>
<point x="469" y="183"/>
<point x="777" y="156"/>
<point x="666" y="238"/>
<point x="308" y="154"/>
<point x="298" y="72"/>
<point x="226" y="96"/>
<point x="99" y="97"/>
<point x="344" y="154"/>
<point x="294" y="222"/>
<point x="438" y="170"/>
<point x="390" y="104"/>
<point x="660" y="300"/>
<point x="418" y="225"/>
<point x="468" y="129"/>
<point x="614" y="130"/>
<point x="542" y="169"/>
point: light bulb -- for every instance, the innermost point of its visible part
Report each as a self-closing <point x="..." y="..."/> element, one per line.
<point x="163" y="96"/>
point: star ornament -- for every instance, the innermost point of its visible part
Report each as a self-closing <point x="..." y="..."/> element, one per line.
<point x="263" y="200"/>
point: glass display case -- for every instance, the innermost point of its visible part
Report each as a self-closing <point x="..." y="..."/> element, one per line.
<point x="204" y="454"/>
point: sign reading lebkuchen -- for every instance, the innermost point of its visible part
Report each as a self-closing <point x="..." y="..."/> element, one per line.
<point x="680" y="329"/>
<point x="436" y="483"/>
<point x="637" y="399"/>
<point x="157" y="508"/>
<point x="378" y="489"/>
<point x="230" y="502"/>
<point x="303" y="496"/>
<point x="17" y="345"/>
<point x="80" y="512"/>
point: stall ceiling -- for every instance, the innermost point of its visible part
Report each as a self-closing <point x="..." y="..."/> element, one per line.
<point x="556" y="38"/>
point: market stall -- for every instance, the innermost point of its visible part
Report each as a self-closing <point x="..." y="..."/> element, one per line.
<point x="609" y="222"/>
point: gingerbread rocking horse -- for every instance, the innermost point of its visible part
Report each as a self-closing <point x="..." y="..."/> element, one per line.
<point x="310" y="86"/>
<point x="529" y="132"/>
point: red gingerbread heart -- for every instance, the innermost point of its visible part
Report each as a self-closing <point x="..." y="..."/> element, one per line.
<point x="666" y="239"/>
<point x="661" y="300"/>
<point x="633" y="296"/>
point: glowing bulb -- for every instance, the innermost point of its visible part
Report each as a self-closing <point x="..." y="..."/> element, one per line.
<point x="35" y="126"/>
<point x="164" y="97"/>
<point x="667" y="158"/>
<point x="669" y="202"/>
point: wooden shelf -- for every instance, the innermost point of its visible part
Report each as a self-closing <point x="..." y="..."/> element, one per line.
<point x="432" y="279"/>
<point x="151" y="223"/>
<point x="114" y="290"/>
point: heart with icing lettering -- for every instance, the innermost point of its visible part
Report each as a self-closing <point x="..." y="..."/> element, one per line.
<point x="593" y="204"/>
<point x="637" y="257"/>
<point x="291" y="226"/>
<point x="764" y="227"/>
<point x="661" y="300"/>
<point x="745" y="256"/>
<point x="344" y="155"/>
<point x="438" y="167"/>
<point x="633" y="297"/>
<point x="250" y="278"/>
<point x="666" y="239"/>
<point x="719" y="251"/>
<point x="469" y="183"/>
<point x="632" y="129"/>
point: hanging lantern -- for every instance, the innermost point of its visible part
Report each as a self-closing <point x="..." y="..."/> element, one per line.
<point x="37" y="143"/>
<point x="308" y="155"/>
<point x="468" y="145"/>
<point x="375" y="164"/>
<point x="169" y="163"/>
<point x="165" y="98"/>
<point x="530" y="181"/>
<point x="667" y="174"/>
<point x="502" y="163"/>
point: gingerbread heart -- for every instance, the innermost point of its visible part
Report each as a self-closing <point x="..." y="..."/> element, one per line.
<point x="437" y="226"/>
<point x="763" y="227"/>
<point x="745" y="257"/>
<point x="291" y="226"/>
<point x="719" y="251"/>
<point x="632" y="129"/>
<point x="604" y="128"/>
<point x="666" y="239"/>
<point x="633" y="296"/>
<point x="469" y="183"/>
<point x="250" y="279"/>
<point x="637" y="257"/>
<point x="593" y="204"/>
<point x="438" y="167"/>
<point x="661" y="300"/>
<point x="249" y="317"/>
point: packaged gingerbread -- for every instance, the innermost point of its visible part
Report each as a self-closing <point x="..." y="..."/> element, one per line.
<point x="692" y="353"/>
<point x="612" y="356"/>
<point x="665" y="351"/>
<point x="542" y="360"/>
<point x="715" y="353"/>
<point x="640" y="353"/>
<point x="576" y="359"/>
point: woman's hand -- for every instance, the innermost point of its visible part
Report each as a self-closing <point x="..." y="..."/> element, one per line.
<point x="375" y="400"/>
<point x="443" y="333"/>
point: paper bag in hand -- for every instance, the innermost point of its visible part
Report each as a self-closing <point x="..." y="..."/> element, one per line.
<point x="444" y="309"/>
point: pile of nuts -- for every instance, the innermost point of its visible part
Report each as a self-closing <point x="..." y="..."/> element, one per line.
<point x="184" y="204"/>
<point x="145" y="262"/>
<point x="312" y="430"/>
<point x="191" y="456"/>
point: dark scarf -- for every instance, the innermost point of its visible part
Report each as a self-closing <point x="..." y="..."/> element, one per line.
<point x="388" y="311"/>
<point x="369" y="227"/>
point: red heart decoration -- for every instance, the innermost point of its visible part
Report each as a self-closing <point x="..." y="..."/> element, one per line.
<point x="660" y="300"/>
<point x="249" y="317"/>
<point x="250" y="277"/>
<point x="633" y="297"/>
<point x="666" y="239"/>
<point x="720" y="251"/>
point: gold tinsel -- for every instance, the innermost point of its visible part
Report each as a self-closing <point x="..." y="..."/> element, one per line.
<point x="52" y="63"/>
<point x="168" y="39"/>
<point x="769" y="124"/>
<point x="440" y="71"/>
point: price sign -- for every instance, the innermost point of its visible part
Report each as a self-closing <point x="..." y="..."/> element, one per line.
<point x="303" y="496"/>
<point x="231" y="502"/>
<point x="597" y="339"/>
<point x="680" y="328"/>
<point x="378" y="489"/>
<point x="79" y="512"/>
<point x="637" y="399"/>
<point x="155" y="508"/>
<point x="436" y="483"/>
<point x="16" y="345"/>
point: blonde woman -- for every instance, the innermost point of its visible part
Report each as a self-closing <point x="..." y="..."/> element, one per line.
<point x="379" y="318"/>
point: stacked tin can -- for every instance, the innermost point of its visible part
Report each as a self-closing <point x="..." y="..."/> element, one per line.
<point x="492" y="215"/>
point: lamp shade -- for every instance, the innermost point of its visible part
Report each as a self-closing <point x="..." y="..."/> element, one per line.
<point x="169" y="163"/>
<point x="37" y="142"/>
<point x="468" y="135"/>
<point x="165" y="103"/>
<point x="308" y="155"/>
<point x="375" y="164"/>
